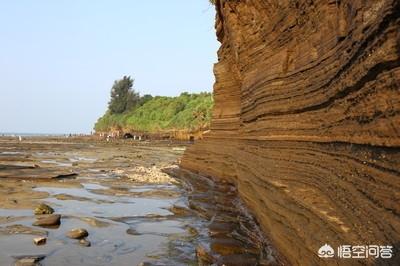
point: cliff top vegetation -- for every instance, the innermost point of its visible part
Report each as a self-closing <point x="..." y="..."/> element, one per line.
<point x="129" y="111"/>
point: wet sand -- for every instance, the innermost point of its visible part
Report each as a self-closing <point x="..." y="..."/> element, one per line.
<point x="120" y="193"/>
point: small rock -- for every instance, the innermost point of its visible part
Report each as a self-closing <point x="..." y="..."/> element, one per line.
<point x="21" y="229"/>
<point x="48" y="220"/>
<point x="132" y="231"/>
<point x="28" y="260"/>
<point x="40" y="241"/>
<point x="43" y="209"/>
<point x="84" y="242"/>
<point x="179" y="211"/>
<point x="78" y="233"/>
<point x="227" y="246"/>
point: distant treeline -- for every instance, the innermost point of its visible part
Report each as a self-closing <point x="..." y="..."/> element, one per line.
<point x="129" y="111"/>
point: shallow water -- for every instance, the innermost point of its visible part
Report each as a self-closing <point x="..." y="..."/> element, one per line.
<point x="107" y="205"/>
<point x="107" y="218"/>
<point x="128" y="222"/>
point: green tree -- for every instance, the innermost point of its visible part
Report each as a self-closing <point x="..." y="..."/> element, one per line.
<point x="123" y="96"/>
<point x="144" y="99"/>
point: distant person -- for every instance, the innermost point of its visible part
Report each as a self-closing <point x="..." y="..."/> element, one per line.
<point x="19" y="138"/>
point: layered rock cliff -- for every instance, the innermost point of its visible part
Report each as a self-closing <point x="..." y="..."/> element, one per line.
<point x="306" y="120"/>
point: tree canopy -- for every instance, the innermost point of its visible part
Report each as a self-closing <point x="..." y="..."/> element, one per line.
<point x="123" y="96"/>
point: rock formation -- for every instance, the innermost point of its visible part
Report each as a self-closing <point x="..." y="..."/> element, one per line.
<point x="306" y="120"/>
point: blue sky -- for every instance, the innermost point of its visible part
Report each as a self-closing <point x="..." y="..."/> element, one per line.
<point x="59" y="59"/>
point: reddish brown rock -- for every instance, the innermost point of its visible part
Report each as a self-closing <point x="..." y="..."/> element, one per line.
<point x="77" y="233"/>
<point x="48" y="220"/>
<point x="179" y="210"/>
<point x="84" y="242"/>
<point x="227" y="246"/>
<point x="204" y="255"/>
<point x="28" y="260"/>
<point x="221" y="228"/>
<point x="40" y="241"/>
<point x="43" y="209"/>
<point x="306" y="120"/>
<point x="33" y="173"/>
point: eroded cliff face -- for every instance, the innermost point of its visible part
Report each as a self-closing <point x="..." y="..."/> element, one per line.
<point x="306" y="120"/>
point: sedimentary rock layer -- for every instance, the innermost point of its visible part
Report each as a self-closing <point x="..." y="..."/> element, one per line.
<point x="307" y="120"/>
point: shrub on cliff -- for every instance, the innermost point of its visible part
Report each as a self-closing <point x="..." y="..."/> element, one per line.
<point x="185" y="112"/>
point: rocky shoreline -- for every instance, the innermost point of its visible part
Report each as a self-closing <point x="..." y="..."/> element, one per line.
<point x="306" y="122"/>
<point x="128" y="203"/>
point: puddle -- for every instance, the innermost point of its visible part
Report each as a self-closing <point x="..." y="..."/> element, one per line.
<point x="15" y="213"/>
<point x="107" y="218"/>
<point x="160" y="227"/>
<point x="11" y="153"/>
<point x="92" y="186"/>
<point x="104" y="205"/>
<point x="138" y="190"/>
<point x="103" y="216"/>
<point x="132" y="208"/>
<point x="82" y="159"/>
<point x="110" y="246"/>
<point x="75" y="192"/>
<point x="57" y="163"/>
<point x="145" y="188"/>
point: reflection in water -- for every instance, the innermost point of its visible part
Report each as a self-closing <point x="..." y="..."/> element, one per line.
<point x="107" y="218"/>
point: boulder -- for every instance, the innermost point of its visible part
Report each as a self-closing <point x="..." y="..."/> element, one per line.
<point x="131" y="231"/>
<point x="39" y="241"/>
<point x="43" y="209"/>
<point x="28" y="260"/>
<point x="84" y="242"/>
<point x="78" y="233"/>
<point x="48" y="220"/>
